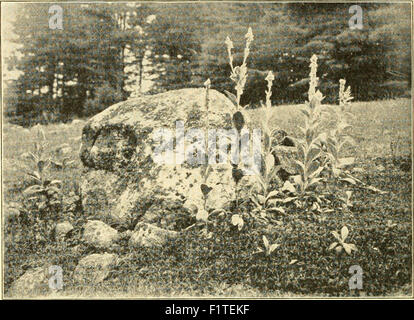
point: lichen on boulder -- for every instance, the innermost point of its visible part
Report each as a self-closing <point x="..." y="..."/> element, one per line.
<point x="124" y="184"/>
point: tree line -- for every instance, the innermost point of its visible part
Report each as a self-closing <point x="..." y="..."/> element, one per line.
<point x="97" y="59"/>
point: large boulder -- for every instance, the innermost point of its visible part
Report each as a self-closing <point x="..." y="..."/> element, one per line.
<point x="123" y="183"/>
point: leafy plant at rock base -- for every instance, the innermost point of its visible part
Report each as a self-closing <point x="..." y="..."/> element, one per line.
<point x="262" y="195"/>
<point x="238" y="76"/>
<point x="310" y="164"/>
<point x="42" y="201"/>
<point x="341" y="244"/>
<point x="334" y="142"/>
<point x="268" y="248"/>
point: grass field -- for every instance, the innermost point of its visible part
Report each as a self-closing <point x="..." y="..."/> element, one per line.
<point x="382" y="131"/>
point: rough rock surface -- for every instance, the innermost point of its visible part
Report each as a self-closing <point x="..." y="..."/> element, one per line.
<point x="33" y="282"/>
<point x="99" y="234"/>
<point x="123" y="183"/>
<point x="94" y="268"/>
<point x="147" y="235"/>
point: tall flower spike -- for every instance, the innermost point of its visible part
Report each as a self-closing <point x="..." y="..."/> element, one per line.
<point x="270" y="77"/>
<point x="229" y="43"/>
<point x="313" y="82"/>
<point x="230" y="46"/>
<point x="249" y="38"/>
<point x="249" y="35"/>
<point x="344" y="95"/>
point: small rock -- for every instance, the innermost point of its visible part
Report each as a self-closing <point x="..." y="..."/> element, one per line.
<point x="94" y="268"/>
<point x="33" y="282"/>
<point x="62" y="229"/>
<point x="148" y="235"/>
<point x="99" y="234"/>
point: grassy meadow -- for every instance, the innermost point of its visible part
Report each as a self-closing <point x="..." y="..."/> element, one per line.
<point x="381" y="224"/>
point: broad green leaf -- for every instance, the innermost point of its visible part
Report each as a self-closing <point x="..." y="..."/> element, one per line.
<point x="33" y="189"/>
<point x="272" y="194"/>
<point x="289" y="199"/>
<point x="216" y="211"/>
<point x="344" y="233"/>
<point x="237" y="220"/>
<point x="67" y="162"/>
<point x="57" y="182"/>
<point x="333" y="245"/>
<point x="277" y="209"/>
<point x="346" y="140"/>
<point x="231" y="96"/>
<point x="287" y="186"/>
<point x="53" y="189"/>
<point x="28" y="156"/>
<point x="300" y="166"/>
<point x="35" y="175"/>
<point x="337" y="236"/>
<point x="347" y="248"/>
<point x="375" y="190"/>
<point x="313" y="154"/>
<point x="265" y="242"/>
<point x="352" y="246"/>
<point x="298" y="180"/>
<point x="349" y="180"/>
<point x="270" y="162"/>
<point x="273" y="247"/>
<point x="41" y="164"/>
<point x="313" y="182"/>
<point x="314" y="172"/>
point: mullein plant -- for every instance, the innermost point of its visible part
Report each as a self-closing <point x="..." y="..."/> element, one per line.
<point x="238" y="76"/>
<point x="41" y="200"/>
<point x="203" y="215"/>
<point x="262" y="195"/>
<point x="336" y="139"/>
<point x="309" y="162"/>
<point x="335" y="142"/>
<point x="338" y="136"/>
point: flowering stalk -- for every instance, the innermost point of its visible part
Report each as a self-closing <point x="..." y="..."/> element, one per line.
<point x="239" y="73"/>
<point x="344" y="95"/>
<point x="313" y="83"/>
